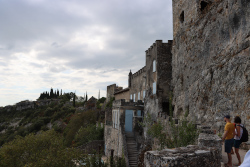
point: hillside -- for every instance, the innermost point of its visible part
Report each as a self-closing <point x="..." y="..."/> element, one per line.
<point x="56" y="115"/>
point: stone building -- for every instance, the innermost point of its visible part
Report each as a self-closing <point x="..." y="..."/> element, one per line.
<point x="150" y="84"/>
<point x="211" y="62"/>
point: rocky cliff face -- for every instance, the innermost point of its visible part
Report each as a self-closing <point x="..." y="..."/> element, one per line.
<point x="211" y="60"/>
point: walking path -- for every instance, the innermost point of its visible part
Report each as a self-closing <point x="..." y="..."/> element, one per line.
<point x="235" y="160"/>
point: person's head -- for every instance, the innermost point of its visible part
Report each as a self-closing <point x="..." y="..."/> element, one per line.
<point x="237" y="120"/>
<point x="227" y="118"/>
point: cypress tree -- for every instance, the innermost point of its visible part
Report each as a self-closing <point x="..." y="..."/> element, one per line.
<point x="86" y="99"/>
<point x="51" y="93"/>
<point x="74" y="100"/>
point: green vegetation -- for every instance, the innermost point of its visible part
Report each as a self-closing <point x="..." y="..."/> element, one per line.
<point x="88" y="134"/>
<point x="60" y="116"/>
<point x="52" y="94"/>
<point x="49" y="135"/>
<point x="47" y="149"/>
<point x="43" y="149"/>
<point x="100" y="102"/>
<point x="86" y="121"/>
<point x="178" y="135"/>
<point x="110" y="103"/>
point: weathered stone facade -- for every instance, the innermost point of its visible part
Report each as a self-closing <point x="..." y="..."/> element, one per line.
<point x="114" y="130"/>
<point x="158" y="100"/>
<point x="110" y="91"/>
<point x="211" y="62"/>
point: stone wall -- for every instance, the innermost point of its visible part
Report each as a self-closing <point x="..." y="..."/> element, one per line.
<point x="211" y="64"/>
<point x="164" y="69"/>
<point x="190" y="156"/>
<point x="123" y="94"/>
<point x="113" y="140"/>
<point x="206" y="154"/>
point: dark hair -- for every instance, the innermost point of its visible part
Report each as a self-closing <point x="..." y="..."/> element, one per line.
<point x="237" y="119"/>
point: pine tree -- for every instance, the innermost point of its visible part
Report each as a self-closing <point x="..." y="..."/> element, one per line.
<point x="61" y="92"/>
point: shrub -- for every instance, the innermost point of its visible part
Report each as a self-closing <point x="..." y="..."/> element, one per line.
<point x="45" y="149"/>
<point x="88" y="134"/>
<point x="182" y="135"/>
<point x="76" y="122"/>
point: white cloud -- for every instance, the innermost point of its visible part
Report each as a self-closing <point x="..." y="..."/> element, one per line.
<point x="75" y="45"/>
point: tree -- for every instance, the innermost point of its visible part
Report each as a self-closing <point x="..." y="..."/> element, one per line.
<point x="74" y="100"/>
<point x="51" y="93"/>
<point x="44" y="149"/>
<point x="86" y="99"/>
<point x="76" y="122"/>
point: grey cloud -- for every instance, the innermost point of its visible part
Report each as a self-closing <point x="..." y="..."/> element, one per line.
<point x="36" y="65"/>
<point x="127" y="29"/>
<point x="56" y="45"/>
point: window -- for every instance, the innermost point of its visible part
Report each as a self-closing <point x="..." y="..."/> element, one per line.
<point x="115" y="118"/>
<point x="139" y="113"/>
<point x="144" y="94"/>
<point x="134" y="98"/>
<point x="182" y="17"/>
<point x="203" y="5"/>
<point x="139" y="96"/>
<point x="154" y="88"/>
<point x="154" y="66"/>
<point x="131" y="97"/>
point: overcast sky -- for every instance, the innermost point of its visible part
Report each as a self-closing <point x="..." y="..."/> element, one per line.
<point x="75" y="45"/>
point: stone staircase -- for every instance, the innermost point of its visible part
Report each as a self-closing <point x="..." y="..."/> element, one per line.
<point x="132" y="150"/>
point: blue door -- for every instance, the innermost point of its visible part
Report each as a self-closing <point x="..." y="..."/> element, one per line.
<point x="128" y="120"/>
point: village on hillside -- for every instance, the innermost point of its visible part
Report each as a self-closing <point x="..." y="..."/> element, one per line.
<point x="173" y="110"/>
